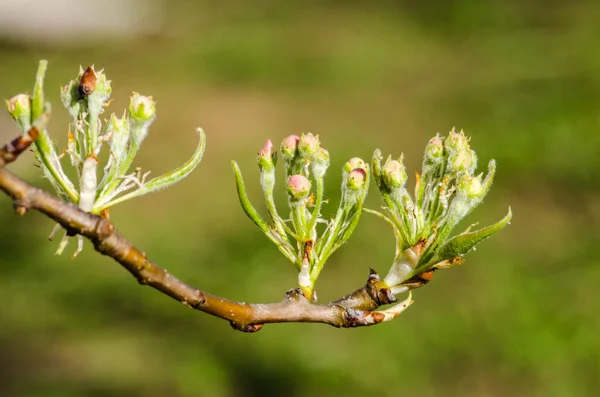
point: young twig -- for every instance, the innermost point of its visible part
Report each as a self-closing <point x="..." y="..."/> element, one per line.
<point x="356" y="309"/>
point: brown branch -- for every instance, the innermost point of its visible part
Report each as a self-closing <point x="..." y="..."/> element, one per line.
<point x="353" y="310"/>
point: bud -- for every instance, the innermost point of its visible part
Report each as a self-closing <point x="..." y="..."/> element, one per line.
<point x="394" y="174"/>
<point x="356" y="179"/>
<point x="322" y="157"/>
<point x="353" y="163"/>
<point x="298" y="186"/>
<point x="266" y="157"/>
<point x="289" y="146"/>
<point x="97" y="87"/>
<point x="476" y="187"/>
<point x="464" y="161"/>
<point x="19" y="108"/>
<point x="434" y="151"/>
<point x="87" y="83"/>
<point x="142" y="111"/>
<point x="457" y="142"/>
<point x="471" y="186"/>
<point x="308" y="145"/>
<point x="141" y="108"/>
<point x="320" y="162"/>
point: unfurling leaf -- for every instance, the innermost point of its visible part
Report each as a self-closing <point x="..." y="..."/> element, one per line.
<point x="464" y="242"/>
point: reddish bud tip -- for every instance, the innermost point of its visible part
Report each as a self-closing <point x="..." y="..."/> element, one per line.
<point x="266" y="157"/>
<point x="298" y="186"/>
<point x="267" y="150"/>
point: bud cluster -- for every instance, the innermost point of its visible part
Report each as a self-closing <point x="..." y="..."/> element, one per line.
<point x="85" y="98"/>
<point x="305" y="165"/>
<point x="446" y="191"/>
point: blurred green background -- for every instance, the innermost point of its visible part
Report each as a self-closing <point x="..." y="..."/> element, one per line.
<point x="520" y="317"/>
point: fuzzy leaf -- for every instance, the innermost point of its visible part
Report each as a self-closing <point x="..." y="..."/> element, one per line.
<point x="248" y="208"/>
<point x="162" y="181"/>
<point x="44" y="148"/>
<point x="272" y="234"/>
<point x="463" y="243"/>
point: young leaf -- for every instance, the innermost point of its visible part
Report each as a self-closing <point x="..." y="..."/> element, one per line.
<point x="464" y="242"/>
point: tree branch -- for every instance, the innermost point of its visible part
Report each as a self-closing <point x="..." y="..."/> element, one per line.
<point x="356" y="309"/>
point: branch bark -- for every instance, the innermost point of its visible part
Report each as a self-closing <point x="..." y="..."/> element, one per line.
<point x="355" y="309"/>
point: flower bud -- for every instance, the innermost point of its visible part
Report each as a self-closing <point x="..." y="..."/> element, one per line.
<point x="476" y="187"/>
<point x="320" y="163"/>
<point x="266" y="157"/>
<point x="308" y="145"/>
<point x="471" y="185"/>
<point x="87" y="83"/>
<point x="322" y="156"/>
<point x="19" y="108"/>
<point x="394" y="174"/>
<point x="142" y="111"/>
<point x="461" y="159"/>
<point x="289" y="146"/>
<point x="353" y="163"/>
<point x="464" y="161"/>
<point x="356" y="179"/>
<point x="457" y="141"/>
<point x="141" y="108"/>
<point x="298" y="186"/>
<point x="434" y="151"/>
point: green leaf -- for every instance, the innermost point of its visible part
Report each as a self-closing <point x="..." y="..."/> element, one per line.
<point x="162" y="181"/>
<point x="272" y="234"/>
<point x="247" y="206"/>
<point x="463" y="243"/>
<point x="44" y="148"/>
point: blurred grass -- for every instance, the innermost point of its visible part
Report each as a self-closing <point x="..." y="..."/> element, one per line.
<point x="519" y="318"/>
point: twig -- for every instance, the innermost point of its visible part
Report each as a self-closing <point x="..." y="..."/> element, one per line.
<point x="353" y="310"/>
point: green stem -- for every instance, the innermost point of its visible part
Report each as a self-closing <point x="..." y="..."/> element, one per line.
<point x="44" y="147"/>
<point x="317" y="211"/>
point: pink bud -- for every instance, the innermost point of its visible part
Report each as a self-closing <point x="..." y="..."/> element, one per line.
<point x="267" y="150"/>
<point x="266" y="157"/>
<point x="394" y="173"/>
<point x="289" y="145"/>
<point x="308" y="145"/>
<point x="356" y="178"/>
<point x="298" y="186"/>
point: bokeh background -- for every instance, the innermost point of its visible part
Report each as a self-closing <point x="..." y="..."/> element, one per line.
<point x="519" y="318"/>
